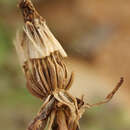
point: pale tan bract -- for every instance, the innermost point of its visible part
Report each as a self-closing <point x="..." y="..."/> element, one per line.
<point x="42" y="59"/>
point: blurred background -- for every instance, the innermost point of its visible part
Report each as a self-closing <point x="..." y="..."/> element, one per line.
<point x="96" y="36"/>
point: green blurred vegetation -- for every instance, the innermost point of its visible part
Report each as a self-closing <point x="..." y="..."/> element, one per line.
<point x="8" y="3"/>
<point x="5" y="40"/>
<point x="17" y="106"/>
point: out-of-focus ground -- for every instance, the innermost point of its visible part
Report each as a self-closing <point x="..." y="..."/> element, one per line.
<point x="95" y="35"/>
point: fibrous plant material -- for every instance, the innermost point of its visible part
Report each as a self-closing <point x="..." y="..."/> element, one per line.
<point x="42" y="59"/>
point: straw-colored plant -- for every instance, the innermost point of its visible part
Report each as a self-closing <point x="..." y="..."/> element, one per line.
<point x="42" y="59"/>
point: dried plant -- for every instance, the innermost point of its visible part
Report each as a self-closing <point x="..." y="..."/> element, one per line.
<point x="42" y="59"/>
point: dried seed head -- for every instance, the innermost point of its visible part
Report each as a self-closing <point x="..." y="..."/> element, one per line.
<point x="41" y="55"/>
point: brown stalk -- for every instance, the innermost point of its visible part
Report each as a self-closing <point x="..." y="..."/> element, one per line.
<point x="42" y="59"/>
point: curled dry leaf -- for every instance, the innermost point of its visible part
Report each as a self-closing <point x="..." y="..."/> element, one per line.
<point x="42" y="59"/>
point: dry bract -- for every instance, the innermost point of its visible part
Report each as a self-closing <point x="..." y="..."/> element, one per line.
<point x="41" y="57"/>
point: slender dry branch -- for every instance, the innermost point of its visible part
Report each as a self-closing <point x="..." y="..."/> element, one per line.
<point x="110" y="95"/>
<point x="42" y="59"/>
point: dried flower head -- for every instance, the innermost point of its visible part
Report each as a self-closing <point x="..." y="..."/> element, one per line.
<point x="41" y="57"/>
